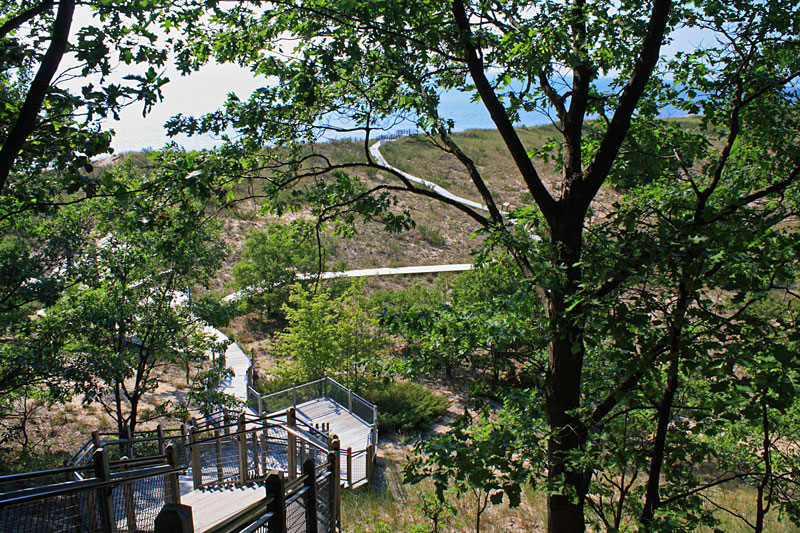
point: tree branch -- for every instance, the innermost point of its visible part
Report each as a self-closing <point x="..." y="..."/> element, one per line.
<point x="498" y="113"/>
<point x="26" y="121"/>
<point x="15" y="22"/>
<point x="620" y="123"/>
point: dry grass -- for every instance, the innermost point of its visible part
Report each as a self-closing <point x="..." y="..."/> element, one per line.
<point x="393" y="506"/>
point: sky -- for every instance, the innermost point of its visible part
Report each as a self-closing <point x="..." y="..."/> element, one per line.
<point x="206" y="90"/>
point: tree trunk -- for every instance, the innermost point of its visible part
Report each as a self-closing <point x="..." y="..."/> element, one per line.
<point x="563" y="384"/>
<point x="664" y="413"/>
<point x="29" y="112"/>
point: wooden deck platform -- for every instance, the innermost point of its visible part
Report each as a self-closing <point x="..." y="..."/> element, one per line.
<point x="211" y="507"/>
<point x="352" y="431"/>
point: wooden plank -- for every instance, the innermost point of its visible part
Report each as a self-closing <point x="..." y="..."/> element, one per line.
<point x="210" y="507"/>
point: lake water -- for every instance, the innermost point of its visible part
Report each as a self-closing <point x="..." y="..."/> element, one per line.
<point x="206" y="90"/>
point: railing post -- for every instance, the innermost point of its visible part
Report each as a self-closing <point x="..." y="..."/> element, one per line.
<point x="174" y="518"/>
<point x="370" y="470"/>
<point x="325" y="387"/>
<point x="350" y="467"/>
<point x="350" y="400"/>
<point x="102" y="472"/>
<point x="128" y="446"/>
<point x="336" y="483"/>
<point x="160" y="436"/>
<point x="172" y="486"/>
<point x="260" y="406"/>
<point x="256" y="455"/>
<point x="196" y="459"/>
<point x="276" y="503"/>
<point x="129" y="502"/>
<point x="294" y="395"/>
<point x="310" y="472"/>
<point x="291" y="440"/>
<point x="226" y="420"/>
<point x="375" y="425"/>
<point x="96" y="439"/>
<point x="332" y="491"/>
<point x="242" y="429"/>
<point x="185" y="457"/>
<point x="218" y="450"/>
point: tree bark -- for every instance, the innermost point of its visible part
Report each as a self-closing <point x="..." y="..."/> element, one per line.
<point x="664" y="412"/>
<point x="28" y="114"/>
<point x="563" y="383"/>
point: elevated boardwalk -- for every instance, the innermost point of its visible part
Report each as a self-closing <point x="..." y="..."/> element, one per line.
<point x="258" y="466"/>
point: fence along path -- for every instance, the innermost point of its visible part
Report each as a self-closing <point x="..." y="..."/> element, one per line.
<point x="232" y="464"/>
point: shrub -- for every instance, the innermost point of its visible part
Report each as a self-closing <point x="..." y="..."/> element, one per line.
<point x="404" y="405"/>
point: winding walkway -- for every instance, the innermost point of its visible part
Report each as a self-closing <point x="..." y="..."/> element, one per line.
<point x="239" y="362"/>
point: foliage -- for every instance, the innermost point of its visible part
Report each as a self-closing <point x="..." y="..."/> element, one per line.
<point x="483" y="327"/>
<point x="640" y="306"/>
<point x="122" y="318"/>
<point x="272" y="260"/>
<point x="214" y="311"/>
<point x="329" y="336"/>
<point x="405" y="405"/>
<point x="50" y="121"/>
<point x="473" y="457"/>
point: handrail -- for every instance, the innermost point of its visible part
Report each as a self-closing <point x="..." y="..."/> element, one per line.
<point x="246" y="431"/>
<point x="243" y="518"/>
<point x="42" y="473"/>
<point x="75" y="457"/>
<point x="289" y="389"/>
<point x="68" y="487"/>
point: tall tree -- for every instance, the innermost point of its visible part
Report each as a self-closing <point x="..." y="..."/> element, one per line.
<point x="125" y="319"/>
<point x="59" y="77"/>
<point x="272" y="260"/>
<point x="356" y="66"/>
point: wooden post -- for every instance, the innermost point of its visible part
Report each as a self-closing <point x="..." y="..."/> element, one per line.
<point x="130" y="504"/>
<point x="102" y="472"/>
<point x="375" y="425"/>
<point x="160" y="435"/>
<point x="184" y="459"/>
<point x="325" y="387"/>
<point x="196" y="459"/>
<point x="264" y="450"/>
<point x="276" y="503"/>
<point x="336" y="482"/>
<point x="349" y="400"/>
<point x="127" y="448"/>
<point x="96" y="440"/>
<point x="218" y="445"/>
<point x="294" y="395"/>
<point x="291" y="439"/>
<point x="256" y="455"/>
<point x="350" y="467"/>
<point x="260" y="407"/>
<point x="310" y="473"/>
<point x="226" y="420"/>
<point x="370" y="464"/>
<point x="174" y="518"/>
<point x="172" y="486"/>
<point x="303" y="452"/>
<point x="242" y="441"/>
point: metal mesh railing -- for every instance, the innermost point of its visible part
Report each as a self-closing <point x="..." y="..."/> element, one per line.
<point x="75" y="511"/>
<point x="137" y="503"/>
<point x="123" y="495"/>
<point x="324" y="510"/>
<point x="219" y="461"/>
<point x="296" y="513"/>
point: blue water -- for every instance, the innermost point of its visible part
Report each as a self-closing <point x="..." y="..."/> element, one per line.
<point x="134" y="132"/>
